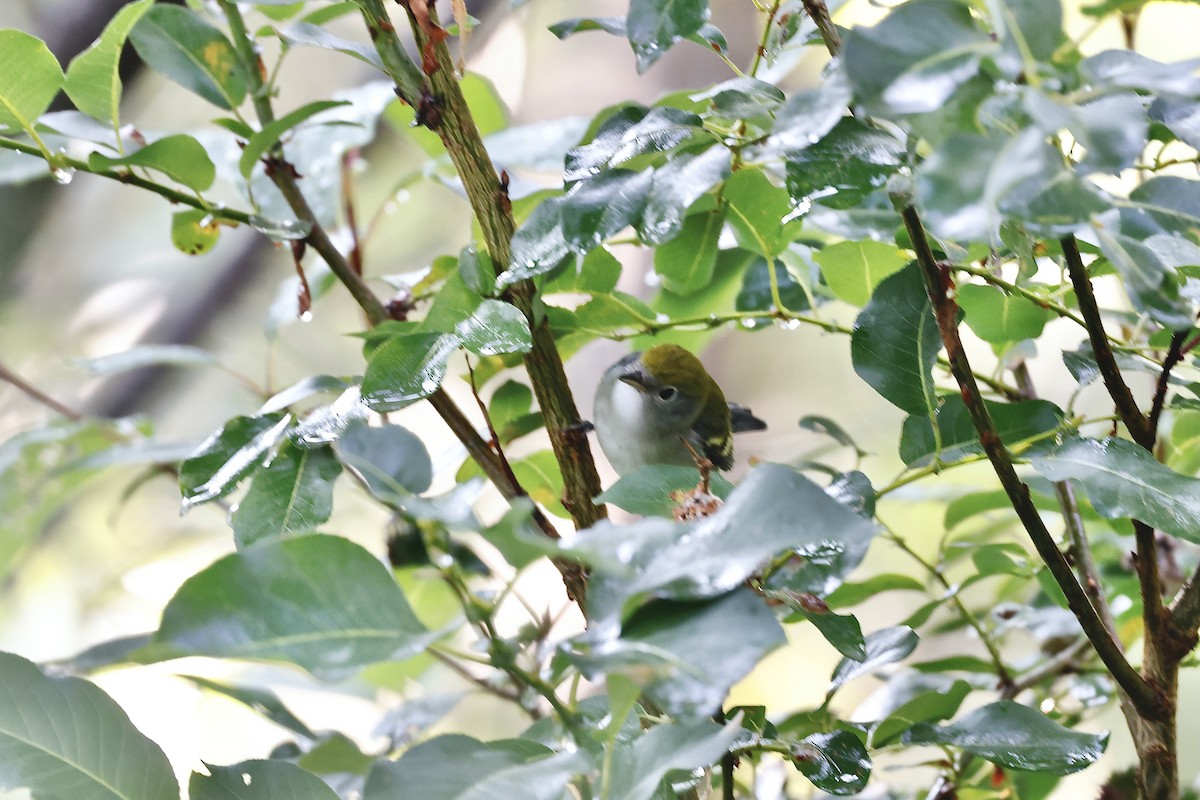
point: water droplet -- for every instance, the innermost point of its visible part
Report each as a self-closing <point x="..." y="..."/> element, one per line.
<point x="403" y="196"/>
<point x="62" y="175"/>
<point x="206" y="220"/>
<point x="280" y="229"/>
<point x="653" y="278"/>
<point x="661" y="319"/>
<point x="305" y="316"/>
<point x="789" y="324"/>
<point x="751" y="324"/>
<point x="389" y="207"/>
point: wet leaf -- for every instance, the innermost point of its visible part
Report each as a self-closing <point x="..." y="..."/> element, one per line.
<point x="687" y="261"/>
<point x="840" y="630"/>
<point x="842" y="169"/>
<point x="258" y="780"/>
<point x="1152" y="284"/>
<point x="392" y="460"/>
<point x="1016" y="737"/>
<point x="676" y="185"/>
<point x="292" y="494"/>
<point x="597" y="273"/>
<point x="653" y="26"/>
<point x="93" y="81"/>
<point x="30" y="78"/>
<point x="302" y="34"/>
<point x="194" y="232"/>
<point x="896" y="341"/>
<point x="1015" y="423"/>
<point x="495" y="327"/>
<point x="1114" y="130"/>
<point x="1181" y="116"/>
<point x="650" y="490"/>
<point x="998" y="317"/>
<point x="686" y="654"/>
<point x="908" y="699"/>
<point x="600" y="207"/>
<point x="640" y="766"/>
<point x="884" y="646"/>
<point x="482" y="771"/>
<point x="177" y="43"/>
<point x="58" y="737"/>
<point x="538" y="245"/>
<point x="633" y="131"/>
<point x="1125" y="69"/>
<point x="851" y="594"/>
<point x="180" y="157"/>
<point x="854" y="269"/>
<point x="1123" y="480"/>
<point x="406" y="368"/>
<point x="834" y="762"/>
<point x="917" y="57"/>
<point x="755" y="294"/>
<point x="230" y="454"/>
<point x="741" y="98"/>
<point x="290" y="600"/>
<point x="809" y="115"/>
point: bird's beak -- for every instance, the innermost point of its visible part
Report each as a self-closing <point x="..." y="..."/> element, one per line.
<point x="635" y="377"/>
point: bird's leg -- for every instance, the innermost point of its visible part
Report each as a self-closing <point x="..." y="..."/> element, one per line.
<point x="702" y="463"/>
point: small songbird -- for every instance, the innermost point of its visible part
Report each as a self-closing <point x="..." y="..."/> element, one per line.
<point x="649" y="404"/>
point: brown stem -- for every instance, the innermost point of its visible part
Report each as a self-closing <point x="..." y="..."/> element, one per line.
<point x="939" y="284"/>
<point x="29" y="390"/>
<point x="1174" y="355"/>
<point x="1127" y="408"/>
<point x="829" y="32"/>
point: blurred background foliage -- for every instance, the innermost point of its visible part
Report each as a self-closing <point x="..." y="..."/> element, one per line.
<point x="90" y="270"/>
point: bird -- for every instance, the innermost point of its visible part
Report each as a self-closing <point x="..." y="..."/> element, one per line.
<point x="662" y="407"/>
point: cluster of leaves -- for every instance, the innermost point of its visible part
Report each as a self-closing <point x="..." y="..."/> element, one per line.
<point x="760" y="208"/>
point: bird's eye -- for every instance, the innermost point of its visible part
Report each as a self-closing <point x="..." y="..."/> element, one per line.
<point x="667" y="393"/>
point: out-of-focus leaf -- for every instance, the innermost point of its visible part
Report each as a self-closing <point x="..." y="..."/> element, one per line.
<point x="148" y="355"/>
<point x="58" y="737"/>
<point x="292" y="494"/>
<point x="850" y="594"/>
<point x="651" y="490"/>
<point x="809" y="115"/>
<point x="482" y="771"/>
<point x="1182" y="116"/>
<point x="258" y="780"/>
<point x="290" y="599"/>
<point x="229" y="455"/>
<point x="1153" y="285"/>
<point x="307" y="34"/>
<point x="884" y="646"/>
<point x="179" y="44"/>
<point x="896" y="341"/>
<point x="93" y="82"/>
<point x="1125" y="69"/>
<point x="686" y="654"/>
<point x="262" y="701"/>
<point x="1123" y="480"/>
<point x="1016" y="737"/>
<point x="653" y="26"/>
<point x="907" y="699"/>
<point x="639" y="766"/>
<point x="854" y="269"/>
<point x="741" y="98"/>
<point x="1015" y="422"/>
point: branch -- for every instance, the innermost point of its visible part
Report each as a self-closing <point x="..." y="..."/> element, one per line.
<point x="940" y="286"/>
<point x="829" y="32"/>
<point x="1174" y="355"/>
<point x="1131" y="415"/>
<point x="443" y="109"/>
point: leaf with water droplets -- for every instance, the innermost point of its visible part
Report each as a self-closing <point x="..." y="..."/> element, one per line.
<point x="809" y="115"/>
<point x="677" y="184"/>
<point x="258" y="780"/>
<point x="194" y="231"/>
<point x="538" y="245"/>
<point x="1016" y="737"/>
<point x="293" y="494"/>
<point x="632" y="131"/>
<point x="835" y="762"/>
<point x="957" y="439"/>
<point x="1123" y="480"/>
<point x="884" y="646"/>
<point x="653" y="26"/>
<point x="840" y="171"/>
<point x="495" y="327"/>
<point x="229" y="455"/>
<point x="640" y="766"/>
<point x="600" y="207"/>
<point x="406" y="368"/>
<point x="1152" y="283"/>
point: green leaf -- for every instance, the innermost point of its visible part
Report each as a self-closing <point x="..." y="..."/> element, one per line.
<point x="840" y="171"/>
<point x="1016" y="737"/>
<point x="741" y="98"/>
<point x="598" y="208"/>
<point x="180" y="157"/>
<point x="93" y="80"/>
<point x="756" y="209"/>
<point x="907" y="699"/>
<point x="772" y="510"/>
<point x="998" y="317"/>
<point x="1126" y="69"/>
<point x="755" y="294"/>
<point x="538" y="245"/>
<point x="392" y="461"/>
<point x="640" y="766"/>
<point x="194" y="231"/>
<point x="597" y="273"/>
<point x="827" y="427"/>
<point x="480" y="771"/>
<point x="539" y="475"/>
<point x="1153" y="285"/>
<point x="840" y="630"/>
<point x="65" y="739"/>
<point x="677" y="184"/>
<point x="495" y="327"/>
<point x="569" y="27"/>
<point x="809" y="115"/>
<point x="303" y="34"/>
<point x="406" y="368"/>
<point x="30" y="78"/>
<point x="686" y="262"/>
<point x="258" y="780"/>
<point x="854" y="269"/>
<point x="148" y="355"/>
<point x="511" y="411"/>
<point x="1123" y="480"/>
<point x="1028" y="26"/>
<point x="631" y="132"/>
<point x="851" y="594"/>
<point x="896" y="341"/>
<point x="229" y="455"/>
<point x="1181" y="116"/>
<point x="292" y="494"/>
<point x="653" y="26"/>
<point x="264" y="140"/>
<point x="649" y="490"/>
<point x="1015" y="422"/>
<point x="835" y="762"/>
<point x="177" y="43"/>
<point x="321" y="602"/>
<point x="914" y="60"/>
<point x="686" y="654"/>
<point x="261" y="701"/>
<point x="1114" y="130"/>
<point x="884" y="646"/>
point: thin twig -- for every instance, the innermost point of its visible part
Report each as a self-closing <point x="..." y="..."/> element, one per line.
<point x="940" y="287"/>
<point x="829" y="32"/>
<point x="29" y="390"/>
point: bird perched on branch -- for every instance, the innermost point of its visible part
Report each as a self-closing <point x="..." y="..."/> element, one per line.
<point x="662" y="407"/>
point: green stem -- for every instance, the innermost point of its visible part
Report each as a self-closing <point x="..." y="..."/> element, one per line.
<point x="761" y="52"/>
